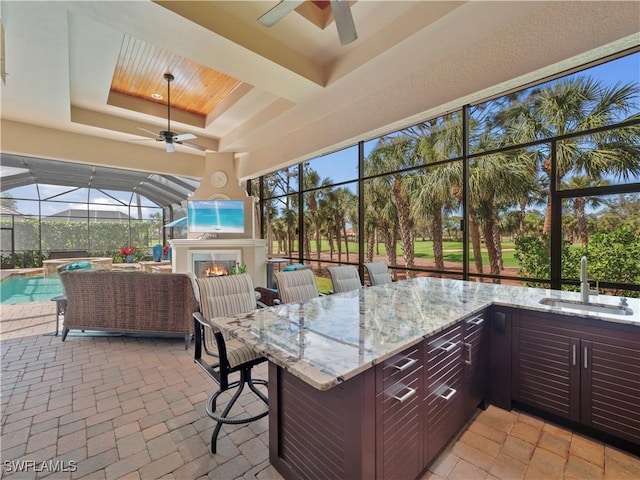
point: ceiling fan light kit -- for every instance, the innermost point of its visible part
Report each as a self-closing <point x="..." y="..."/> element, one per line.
<point x="341" y="10"/>
<point x="167" y="136"/>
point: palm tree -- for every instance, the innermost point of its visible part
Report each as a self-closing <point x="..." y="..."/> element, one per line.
<point x="290" y="218"/>
<point x="580" y="203"/>
<point x="374" y="222"/>
<point x="270" y="214"/>
<point x="534" y="193"/>
<point x="277" y="227"/>
<point x="312" y="199"/>
<point x="494" y="181"/>
<point x="382" y="217"/>
<point x="338" y="204"/>
<point x="573" y="105"/>
<point x="439" y="139"/>
<point x="391" y="154"/>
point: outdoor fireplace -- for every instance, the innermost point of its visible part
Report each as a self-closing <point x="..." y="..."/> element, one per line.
<point x="214" y="263"/>
<point x="243" y="251"/>
<point x="218" y="268"/>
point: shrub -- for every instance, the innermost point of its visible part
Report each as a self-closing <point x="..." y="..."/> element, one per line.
<point x="612" y="257"/>
<point x="615" y="257"/>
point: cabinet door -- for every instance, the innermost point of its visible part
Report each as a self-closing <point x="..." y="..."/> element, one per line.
<point x="500" y="338"/>
<point x="476" y="356"/>
<point x="585" y="370"/>
<point x="546" y="373"/>
<point x="610" y="383"/>
<point x="444" y="400"/>
<point x="398" y="416"/>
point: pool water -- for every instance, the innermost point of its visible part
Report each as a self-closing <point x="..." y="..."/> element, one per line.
<point x="29" y="288"/>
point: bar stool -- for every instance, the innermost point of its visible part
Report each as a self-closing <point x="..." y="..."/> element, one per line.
<point x="223" y="297"/>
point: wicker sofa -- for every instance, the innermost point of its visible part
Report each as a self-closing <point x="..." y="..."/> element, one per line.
<point x="133" y="302"/>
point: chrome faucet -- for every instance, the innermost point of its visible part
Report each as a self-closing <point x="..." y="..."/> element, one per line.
<point x="585" y="291"/>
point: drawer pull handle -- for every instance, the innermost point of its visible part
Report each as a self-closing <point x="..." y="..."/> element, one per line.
<point x="448" y="396"/>
<point x="586" y="355"/>
<point x="409" y="361"/>
<point x="573" y="355"/>
<point x="477" y="320"/>
<point x="448" y="346"/>
<point x="468" y="360"/>
<point x="406" y="396"/>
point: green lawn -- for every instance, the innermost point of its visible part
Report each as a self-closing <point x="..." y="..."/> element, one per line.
<point x="424" y="249"/>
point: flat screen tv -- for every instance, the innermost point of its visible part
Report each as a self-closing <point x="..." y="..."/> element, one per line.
<point x="215" y="216"/>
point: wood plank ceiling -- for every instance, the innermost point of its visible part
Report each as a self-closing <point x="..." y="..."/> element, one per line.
<point x="196" y="89"/>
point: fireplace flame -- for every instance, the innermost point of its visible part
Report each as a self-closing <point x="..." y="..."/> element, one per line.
<point x="215" y="270"/>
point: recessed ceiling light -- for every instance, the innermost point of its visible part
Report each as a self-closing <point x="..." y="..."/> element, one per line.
<point x="156" y="96"/>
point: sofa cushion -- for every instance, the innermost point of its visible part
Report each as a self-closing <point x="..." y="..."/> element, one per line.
<point x="77" y="266"/>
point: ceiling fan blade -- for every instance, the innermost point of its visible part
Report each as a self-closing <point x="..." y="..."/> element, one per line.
<point x="170" y="147"/>
<point x="184" y="136"/>
<point x="155" y="134"/>
<point x="344" y="21"/>
<point x="279" y="11"/>
<point x="193" y="145"/>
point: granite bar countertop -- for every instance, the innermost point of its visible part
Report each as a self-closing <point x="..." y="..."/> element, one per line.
<point x="333" y="338"/>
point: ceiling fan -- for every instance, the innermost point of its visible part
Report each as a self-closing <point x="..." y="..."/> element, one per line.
<point x="341" y="14"/>
<point x="167" y="136"/>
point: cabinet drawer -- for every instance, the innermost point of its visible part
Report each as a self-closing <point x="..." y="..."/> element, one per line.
<point x="444" y="396"/>
<point x="475" y="323"/>
<point x="445" y="416"/>
<point x="442" y="392"/>
<point x="398" y="367"/>
<point x="400" y="446"/>
<point x="444" y="357"/>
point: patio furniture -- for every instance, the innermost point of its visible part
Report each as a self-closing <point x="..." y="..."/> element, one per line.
<point x="297" y="285"/>
<point x="268" y="296"/>
<point x="128" y="302"/>
<point x="271" y="264"/>
<point x="61" y="307"/>
<point x="344" y="278"/>
<point x="378" y="273"/>
<point x="61" y="300"/>
<point x="222" y="297"/>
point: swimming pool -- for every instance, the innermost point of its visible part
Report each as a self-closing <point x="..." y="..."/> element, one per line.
<point x="29" y="288"/>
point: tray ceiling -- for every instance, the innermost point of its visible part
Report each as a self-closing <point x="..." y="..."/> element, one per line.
<point x="196" y="89"/>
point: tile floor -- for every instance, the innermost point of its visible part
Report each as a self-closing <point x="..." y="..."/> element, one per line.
<point x="124" y="407"/>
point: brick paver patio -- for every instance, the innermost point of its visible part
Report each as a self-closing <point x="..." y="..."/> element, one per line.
<point x="114" y="407"/>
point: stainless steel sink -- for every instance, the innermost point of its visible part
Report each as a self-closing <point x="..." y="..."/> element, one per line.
<point x="588" y="307"/>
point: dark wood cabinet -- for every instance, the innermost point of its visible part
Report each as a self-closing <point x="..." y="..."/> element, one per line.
<point x="444" y="389"/>
<point x="579" y="369"/>
<point x="392" y="420"/>
<point x="322" y="434"/>
<point x="546" y="374"/>
<point x="499" y="381"/>
<point x="399" y="442"/>
<point x="476" y="358"/>
<point x="610" y="386"/>
<point x="426" y="394"/>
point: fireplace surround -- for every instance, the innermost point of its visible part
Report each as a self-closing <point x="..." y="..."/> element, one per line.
<point x="195" y="255"/>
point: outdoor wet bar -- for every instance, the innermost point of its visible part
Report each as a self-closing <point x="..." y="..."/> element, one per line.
<point x="375" y="382"/>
